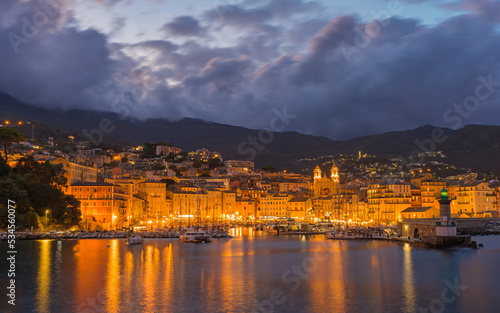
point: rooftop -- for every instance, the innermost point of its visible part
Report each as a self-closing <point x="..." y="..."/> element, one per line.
<point x="416" y="209"/>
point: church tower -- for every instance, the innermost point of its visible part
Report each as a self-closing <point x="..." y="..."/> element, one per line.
<point x="317" y="174"/>
<point x="335" y="173"/>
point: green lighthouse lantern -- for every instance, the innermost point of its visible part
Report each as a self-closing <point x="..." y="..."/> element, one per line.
<point x="444" y="194"/>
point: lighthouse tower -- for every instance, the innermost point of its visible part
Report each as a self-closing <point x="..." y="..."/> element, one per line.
<point x="445" y="226"/>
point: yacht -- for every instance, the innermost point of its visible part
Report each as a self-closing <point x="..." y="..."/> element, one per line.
<point x="341" y="235"/>
<point x="195" y="236"/>
<point x="135" y="240"/>
<point x="290" y="224"/>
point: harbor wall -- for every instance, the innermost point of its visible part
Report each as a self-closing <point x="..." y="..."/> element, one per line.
<point x="417" y="228"/>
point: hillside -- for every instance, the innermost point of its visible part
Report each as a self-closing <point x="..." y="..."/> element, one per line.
<point x="476" y="146"/>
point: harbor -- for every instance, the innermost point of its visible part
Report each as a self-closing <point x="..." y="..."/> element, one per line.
<point x="337" y="275"/>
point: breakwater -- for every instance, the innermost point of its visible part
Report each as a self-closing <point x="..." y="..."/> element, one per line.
<point x="99" y="235"/>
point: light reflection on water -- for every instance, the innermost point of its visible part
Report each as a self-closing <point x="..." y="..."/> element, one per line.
<point x="43" y="279"/>
<point x="408" y="281"/>
<point x="244" y="274"/>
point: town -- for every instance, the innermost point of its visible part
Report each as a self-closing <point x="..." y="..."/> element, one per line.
<point x="158" y="186"/>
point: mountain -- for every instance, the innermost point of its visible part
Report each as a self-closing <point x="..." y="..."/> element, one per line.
<point x="475" y="146"/>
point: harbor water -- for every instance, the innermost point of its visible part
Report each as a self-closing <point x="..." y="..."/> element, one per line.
<point x="252" y="272"/>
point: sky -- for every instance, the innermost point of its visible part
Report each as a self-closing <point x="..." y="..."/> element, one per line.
<point x="339" y="69"/>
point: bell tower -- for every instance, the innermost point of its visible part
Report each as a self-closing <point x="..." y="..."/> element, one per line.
<point x="335" y="173"/>
<point x="317" y="174"/>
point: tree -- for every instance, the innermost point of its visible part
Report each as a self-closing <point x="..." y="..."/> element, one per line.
<point x="170" y="156"/>
<point x="168" y="181"/>
<point x="4" y="167"/>
<point x="148" y="150"/>
<point x="268" y="168"/>
<point x="30" y="219"/>
<point x="158" y="166"/>
<point x="71" y="212"/>
<point x="8" y="136"/>
<point x="111" y="164"/>
<point x="45" y="172"/>
<point x="214" y="163"/>
<point x="10" y="189"/>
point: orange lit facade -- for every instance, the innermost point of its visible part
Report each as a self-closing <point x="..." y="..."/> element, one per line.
<point x="103" y="205"/>
<point x="473" y="200"/>
<point x="246" y="209"/>
<point x="429" y="190"/>
<point x="77" y="172"/>
<point x="299" y="208"/>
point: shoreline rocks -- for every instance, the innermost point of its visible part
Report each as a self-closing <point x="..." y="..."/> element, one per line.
<point x="100" y="235"/>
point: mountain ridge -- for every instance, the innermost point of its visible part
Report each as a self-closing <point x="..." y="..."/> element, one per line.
<point x="476" y="146"/>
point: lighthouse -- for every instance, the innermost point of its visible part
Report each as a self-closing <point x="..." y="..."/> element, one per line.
<point x="445" y="226"/>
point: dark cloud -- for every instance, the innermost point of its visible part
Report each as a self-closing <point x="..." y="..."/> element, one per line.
<point x="340" y="77"/>
<point x="241" y="15"/>
<point x="184" y="26"/>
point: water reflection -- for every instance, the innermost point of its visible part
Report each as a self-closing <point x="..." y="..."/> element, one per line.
<point x="113" y="278"/>
<point x="408" y="281"/>
<point x="327" y="291"/>
<point x="43" y="279"/>
<point x="236" y="275"/>
<point x="149" y="270"/>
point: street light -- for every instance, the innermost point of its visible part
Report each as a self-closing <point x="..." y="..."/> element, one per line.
<point x="46" y="221"/>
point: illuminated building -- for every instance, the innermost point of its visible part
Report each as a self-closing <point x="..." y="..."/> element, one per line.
<point x="387" y="200"/>
<point x="274" y="206"/>
<point x="77" y="172"/>
<point x="166" y="150"/>
<point x="299" y="208"/>
<point x="103" y="205"/>
<point x="429" y="190"/>
<point x="154" y="195"/>
<point x="473" y="199"/>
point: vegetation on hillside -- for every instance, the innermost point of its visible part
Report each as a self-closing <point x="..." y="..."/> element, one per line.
<point x="36" y="189"/>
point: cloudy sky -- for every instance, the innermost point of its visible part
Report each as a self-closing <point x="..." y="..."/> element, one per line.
<point x="336" y="68"/>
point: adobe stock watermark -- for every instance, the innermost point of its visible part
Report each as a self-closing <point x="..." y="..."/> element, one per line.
<point x="293" y="278"/>
<point x="254" y="144"/>
<point x="122" y="106"/>
<point x="449" y="294"/>
<point x="365" y="34"/>
<point x="94" y="304"/>
<point x="224" y="6"/>
<point x="48" y="9"/>
<point x="459" y="112"/>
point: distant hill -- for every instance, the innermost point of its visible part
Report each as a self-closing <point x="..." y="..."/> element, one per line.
<point x="475" y="146"/>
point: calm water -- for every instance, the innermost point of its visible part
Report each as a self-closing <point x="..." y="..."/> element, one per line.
<point x="252" y="273"/>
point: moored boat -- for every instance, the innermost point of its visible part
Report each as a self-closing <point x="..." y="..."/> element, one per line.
<point x="195" y="236"/>
<point x="135" y="240"/>
<point x="341" y="235"/>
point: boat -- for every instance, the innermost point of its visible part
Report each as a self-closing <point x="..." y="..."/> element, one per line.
<point x="195" y="236"/>
<point x="341" y="235"/>
<point x="135" y="240"/>
<point x="289" y="225"/>
<point x="271" y="229"/>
